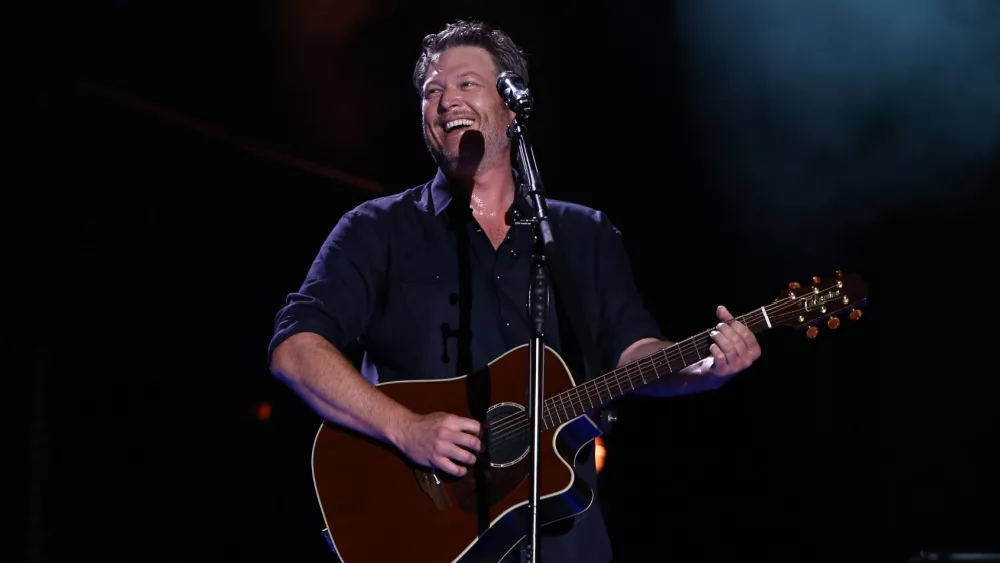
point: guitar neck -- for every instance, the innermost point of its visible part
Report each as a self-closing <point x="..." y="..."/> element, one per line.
<point x="661" y="364"/>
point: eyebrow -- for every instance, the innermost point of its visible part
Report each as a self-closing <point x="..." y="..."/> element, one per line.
<point x="461" y="75"/>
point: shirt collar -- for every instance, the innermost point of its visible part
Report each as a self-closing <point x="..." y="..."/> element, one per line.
<point x="441" y="195"/>
<point x="440" y="192"/>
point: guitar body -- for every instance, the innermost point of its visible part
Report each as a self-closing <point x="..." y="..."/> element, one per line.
<point x="379" y="506"/>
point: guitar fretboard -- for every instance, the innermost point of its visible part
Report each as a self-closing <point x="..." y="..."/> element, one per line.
<point x="612" y="385"/>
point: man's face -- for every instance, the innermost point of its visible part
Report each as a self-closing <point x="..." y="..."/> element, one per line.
<point x="465" y="120"/>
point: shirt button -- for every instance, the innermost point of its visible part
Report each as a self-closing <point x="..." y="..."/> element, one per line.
<point x="513" y="254"/>
<point x="506" y="324"/>
<point x="499" y="276"/>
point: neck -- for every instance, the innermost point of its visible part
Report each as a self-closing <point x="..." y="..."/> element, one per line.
<point x="490" y="190"/>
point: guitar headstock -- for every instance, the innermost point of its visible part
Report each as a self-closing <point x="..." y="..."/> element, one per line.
<point x="823" y="301"/>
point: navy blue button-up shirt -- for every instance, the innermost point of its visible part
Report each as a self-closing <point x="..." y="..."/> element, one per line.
<point x="415" y="281"/>
<point x="389" y="277"/>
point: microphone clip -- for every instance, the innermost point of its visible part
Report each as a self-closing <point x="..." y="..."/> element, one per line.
<point x="515" y="94"/>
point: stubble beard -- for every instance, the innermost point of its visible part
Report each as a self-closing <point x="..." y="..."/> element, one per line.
<point x="461" y="163"/>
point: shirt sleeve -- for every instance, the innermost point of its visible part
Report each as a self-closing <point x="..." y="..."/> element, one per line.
<point x="624" y="318"/>
<point x="341" y="288"/>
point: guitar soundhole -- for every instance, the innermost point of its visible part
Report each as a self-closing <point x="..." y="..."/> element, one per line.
<point x="508" y="431"/>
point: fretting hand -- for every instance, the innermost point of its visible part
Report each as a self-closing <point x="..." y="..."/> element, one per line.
<point x="733" y="350"/>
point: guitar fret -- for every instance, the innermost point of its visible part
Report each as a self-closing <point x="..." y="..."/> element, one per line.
<point x="670" y="360"/>
<point x="665" y="356"/>
<point x="680" y="348"/>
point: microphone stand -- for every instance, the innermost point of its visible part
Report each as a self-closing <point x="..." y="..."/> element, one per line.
<point x="538" y="303"/>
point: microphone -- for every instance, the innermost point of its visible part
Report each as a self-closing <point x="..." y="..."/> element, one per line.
<point x="515" y="93"/>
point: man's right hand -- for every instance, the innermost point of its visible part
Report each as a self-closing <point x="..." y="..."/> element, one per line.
<point x="441" y="441"/>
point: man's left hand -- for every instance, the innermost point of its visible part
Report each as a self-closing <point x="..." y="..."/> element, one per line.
<point x="733" y="350"/>
<point x="735" y="347"/>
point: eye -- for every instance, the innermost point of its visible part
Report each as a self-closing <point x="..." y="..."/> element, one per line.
<point x="468" y="84"/>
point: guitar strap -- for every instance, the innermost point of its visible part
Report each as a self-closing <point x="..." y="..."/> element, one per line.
<point x="578" y="342"/>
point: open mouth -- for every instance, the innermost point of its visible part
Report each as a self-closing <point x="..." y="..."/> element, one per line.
<point x="456" y="124"/>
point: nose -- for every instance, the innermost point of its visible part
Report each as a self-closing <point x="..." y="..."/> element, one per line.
<point x="450" y="98"/>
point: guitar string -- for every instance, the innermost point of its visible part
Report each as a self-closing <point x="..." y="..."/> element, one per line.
<point x="632" y="373"/>
<point x="568" y="399"/>
<point x="520" y="424"/>
<point x="564" y="400"/>
<point x="697" y="342"/>
<point x="629" y="376"/>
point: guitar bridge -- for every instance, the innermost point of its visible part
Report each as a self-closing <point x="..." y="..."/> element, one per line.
<point x="432" y="485"/>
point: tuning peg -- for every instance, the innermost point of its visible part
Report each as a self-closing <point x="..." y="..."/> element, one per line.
<point x="833" y="323"/>
<point x="815" y="280"/>
<point x="812" y="331"/>
<point x="793" y="286"/>
<point x="840" y="274"/>
<point x="855" y="314"/>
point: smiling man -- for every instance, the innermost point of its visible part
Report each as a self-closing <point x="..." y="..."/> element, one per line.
<point x="432" y="283"/>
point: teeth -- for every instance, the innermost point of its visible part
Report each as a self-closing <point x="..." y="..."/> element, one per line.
<point x="452" y="125"/>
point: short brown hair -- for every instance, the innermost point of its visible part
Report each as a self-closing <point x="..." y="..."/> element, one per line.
<point x="505" y="53"/>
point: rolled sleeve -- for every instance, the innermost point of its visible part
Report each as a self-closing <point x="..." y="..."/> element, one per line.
<point x="340" y="290"/>
<point x="624" y="318"/>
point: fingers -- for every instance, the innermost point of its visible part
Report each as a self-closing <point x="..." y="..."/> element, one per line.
<point x="723" y="314"/>
<point x="749" y="340"/>
<point x="740" y="346"/>
<point x="462" y="424"/>
<point x="719" y="359"/>
<point x="451" y="448"/>
<point x="727" y="350"/>
<point x="453" y="452"/>
<point x="448" y="466"/>
<point x="454" y="442"/>
<point x="463" y="439"/>
<point x="732" y="345"/>
<point x="450" y="455"/>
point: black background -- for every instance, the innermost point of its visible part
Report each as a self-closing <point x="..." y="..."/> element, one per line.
<point x="155" y="241"/>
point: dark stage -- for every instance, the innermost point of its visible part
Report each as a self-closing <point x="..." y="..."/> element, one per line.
<point x="178" y="165"/>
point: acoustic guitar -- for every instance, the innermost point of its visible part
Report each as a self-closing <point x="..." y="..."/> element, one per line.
<point x="378" y="506"/>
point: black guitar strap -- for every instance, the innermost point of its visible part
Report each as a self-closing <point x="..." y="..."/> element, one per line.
<point x="578" y="342"/>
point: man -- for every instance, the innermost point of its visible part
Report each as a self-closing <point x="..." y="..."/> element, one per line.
<point x="432" y="283"/>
